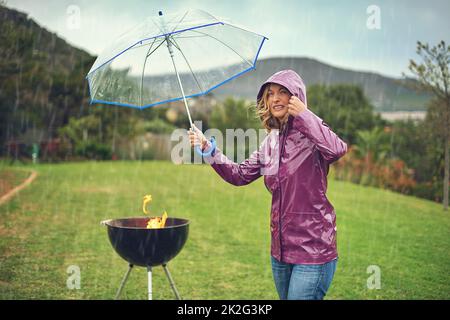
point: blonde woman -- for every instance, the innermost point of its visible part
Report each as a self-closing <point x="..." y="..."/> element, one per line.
<point x="294" y="160"/>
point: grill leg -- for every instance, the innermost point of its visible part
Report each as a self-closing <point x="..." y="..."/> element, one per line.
<point x="172" y="284"/>
<point x="149" y="274"/>
<point x="124" y="280"/>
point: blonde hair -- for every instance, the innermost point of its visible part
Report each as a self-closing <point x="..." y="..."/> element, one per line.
<point x="263" y="112"/>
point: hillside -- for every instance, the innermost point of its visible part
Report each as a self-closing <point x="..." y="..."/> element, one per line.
<point x="41" y="77"/>
<point x="386" y="94"/>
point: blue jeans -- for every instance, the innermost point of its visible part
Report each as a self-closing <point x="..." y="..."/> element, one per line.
<point x="302" y="281"/>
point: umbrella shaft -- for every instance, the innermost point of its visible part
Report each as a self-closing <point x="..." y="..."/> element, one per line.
<point x="169" y="46"/>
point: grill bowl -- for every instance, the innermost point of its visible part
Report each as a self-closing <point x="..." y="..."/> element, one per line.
<point x="147" y="247"/>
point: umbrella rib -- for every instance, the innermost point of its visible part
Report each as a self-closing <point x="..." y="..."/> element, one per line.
<point x="144" y="44"/>
<point x="159" y="45"/>
<point x="184" y="57"/>
<point x="187" y="37"/>
<point x="164" y="31"/>
<point x="145" y="62"/>
<point x="208" y="35"/>
<point x="143" y="68"/>
<point x="180" y="21"/>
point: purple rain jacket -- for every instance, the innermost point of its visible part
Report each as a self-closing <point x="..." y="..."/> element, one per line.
<point x="294" y="163"/>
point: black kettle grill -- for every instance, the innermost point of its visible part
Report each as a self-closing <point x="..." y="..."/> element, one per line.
<point x="148" y="248"/>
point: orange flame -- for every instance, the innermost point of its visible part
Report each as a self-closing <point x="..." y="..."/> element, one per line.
<point x="155" y="222"/>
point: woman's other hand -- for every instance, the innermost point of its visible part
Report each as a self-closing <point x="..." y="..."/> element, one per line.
<point x="296" y="106"/>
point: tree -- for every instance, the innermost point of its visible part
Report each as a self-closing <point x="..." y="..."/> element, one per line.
<point x="374" y="142"/>
<point x="433" y="75"/>
<point x="344" y="108"/>
<point x="96" y="135"/>
<point x="373" y="146"/>
<point x="233" y="114"/>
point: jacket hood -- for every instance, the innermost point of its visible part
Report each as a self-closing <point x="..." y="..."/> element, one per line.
<point x="288" y="79"/>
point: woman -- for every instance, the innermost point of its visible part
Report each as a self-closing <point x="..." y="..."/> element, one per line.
<point x="294" y="159"/>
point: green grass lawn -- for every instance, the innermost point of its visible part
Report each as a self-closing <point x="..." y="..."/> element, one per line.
<point x="55" y="223"/>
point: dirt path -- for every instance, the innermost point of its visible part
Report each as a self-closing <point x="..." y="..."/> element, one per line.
<point x="12" y="192"/>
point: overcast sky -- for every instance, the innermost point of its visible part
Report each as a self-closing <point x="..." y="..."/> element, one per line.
<point x="334" y="32"/>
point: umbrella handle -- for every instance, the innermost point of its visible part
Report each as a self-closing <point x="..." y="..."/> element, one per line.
<point x="206" y="154"/>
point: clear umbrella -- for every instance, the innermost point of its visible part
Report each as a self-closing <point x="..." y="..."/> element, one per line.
<point x="172" y="57"/>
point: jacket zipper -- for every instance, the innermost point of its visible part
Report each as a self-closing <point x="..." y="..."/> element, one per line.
<point x="279" y="185"/>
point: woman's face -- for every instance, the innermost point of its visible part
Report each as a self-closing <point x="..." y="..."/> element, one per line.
<point x="278" y="100"/>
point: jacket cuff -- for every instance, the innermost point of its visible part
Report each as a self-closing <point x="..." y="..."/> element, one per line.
<point x="210" y="158"/>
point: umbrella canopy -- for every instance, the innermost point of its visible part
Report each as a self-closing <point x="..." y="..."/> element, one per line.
<point x="172" y="57"/>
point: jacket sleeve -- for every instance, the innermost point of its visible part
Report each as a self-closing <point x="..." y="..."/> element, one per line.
<point x="314" y="128"/>
<point x="236" y="174"/>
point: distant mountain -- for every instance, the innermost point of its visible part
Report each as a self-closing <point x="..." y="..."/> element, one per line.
<point x="385" y="93"/>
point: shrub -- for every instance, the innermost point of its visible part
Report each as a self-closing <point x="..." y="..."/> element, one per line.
<point x="93" y="150"/>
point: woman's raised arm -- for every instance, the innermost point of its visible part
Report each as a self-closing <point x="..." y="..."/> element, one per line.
<point x="315" y="129"/>
<point x="237" y="174"/>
